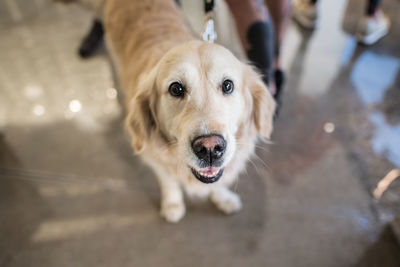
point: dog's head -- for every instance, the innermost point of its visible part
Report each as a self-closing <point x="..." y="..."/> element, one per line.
<point x="198" y="98"/>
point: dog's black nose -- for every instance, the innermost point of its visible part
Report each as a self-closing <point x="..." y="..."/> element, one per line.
<point x="209" y="148"/>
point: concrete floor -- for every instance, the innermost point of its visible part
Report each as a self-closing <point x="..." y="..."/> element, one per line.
<point x="72" y="193"/>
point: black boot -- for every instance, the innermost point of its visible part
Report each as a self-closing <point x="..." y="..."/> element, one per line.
<point x="279" y="79"/>
<point x="260" y="36"/>
<point x="92" y="40"/>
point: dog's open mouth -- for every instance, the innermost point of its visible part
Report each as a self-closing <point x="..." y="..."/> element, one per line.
<point x="208" y="175"/>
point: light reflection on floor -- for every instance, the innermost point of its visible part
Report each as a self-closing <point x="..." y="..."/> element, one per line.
<point x="386" y="138"/>
<point x="372" y="76"/>
<point x="76" y="228"/>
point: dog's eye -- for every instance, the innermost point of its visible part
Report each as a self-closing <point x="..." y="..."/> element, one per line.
<point x="227" y="87"/>
<point x="176" y="90"/>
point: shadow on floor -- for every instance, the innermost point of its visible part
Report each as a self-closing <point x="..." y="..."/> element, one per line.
<point x="385" y="252"/>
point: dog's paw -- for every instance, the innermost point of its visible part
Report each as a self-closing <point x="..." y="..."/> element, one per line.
<point x="228" y="202"/>
<point x="173" y="212"/>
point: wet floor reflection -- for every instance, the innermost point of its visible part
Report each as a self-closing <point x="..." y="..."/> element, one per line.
<point x="372" y="75"/>
<point x="386" y="138"/>
<point x="351" y="100"/>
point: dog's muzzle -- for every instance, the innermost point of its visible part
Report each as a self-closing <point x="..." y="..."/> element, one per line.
<point x="209" y="150"/>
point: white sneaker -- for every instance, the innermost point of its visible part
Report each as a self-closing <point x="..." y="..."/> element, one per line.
<point x="305" y="13"/>
<point x="371" y="29"/>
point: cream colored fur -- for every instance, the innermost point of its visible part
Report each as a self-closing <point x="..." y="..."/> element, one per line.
<point x="152" y="47"/>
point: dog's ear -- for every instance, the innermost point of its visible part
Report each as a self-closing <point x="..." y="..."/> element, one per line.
<point x="263" y="108"/>
<point x="141" y="121"/>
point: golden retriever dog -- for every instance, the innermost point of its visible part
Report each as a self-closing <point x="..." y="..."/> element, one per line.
<point x="194" y="110"/>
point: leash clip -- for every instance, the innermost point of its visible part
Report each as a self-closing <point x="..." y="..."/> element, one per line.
<point x="209" y="35"/>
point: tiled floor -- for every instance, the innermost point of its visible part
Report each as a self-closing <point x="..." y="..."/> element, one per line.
<point x="72" y="193"/>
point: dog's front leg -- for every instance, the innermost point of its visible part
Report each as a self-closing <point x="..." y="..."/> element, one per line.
<point x="225" y="199"/>
<point x="172" y="204"/>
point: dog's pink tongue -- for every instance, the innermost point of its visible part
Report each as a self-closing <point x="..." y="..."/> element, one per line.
<point x="209" y="170"/>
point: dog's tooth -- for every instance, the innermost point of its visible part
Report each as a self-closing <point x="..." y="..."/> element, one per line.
<point x="207" y="174"/>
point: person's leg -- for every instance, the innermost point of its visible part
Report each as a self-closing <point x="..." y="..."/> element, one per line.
<point x="372" y="7"/>
<point x="305" y="13"/>
<point x="374" y="25"/>
<point x="280" y="11"/>
<point x="255" y="31"/>
<point x="92" y="40"/>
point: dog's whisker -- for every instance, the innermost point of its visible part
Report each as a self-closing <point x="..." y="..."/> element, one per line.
<point x="255" y="167"/>
<point x="266" y="140"/>
<point x="265" y="164"/>
<point x="257" y="146"/>
<point x="236" y="185"/>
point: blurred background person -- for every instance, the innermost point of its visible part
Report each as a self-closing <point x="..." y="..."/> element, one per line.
<point x="261" y="26"/>
<point x="372" y="27"/>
